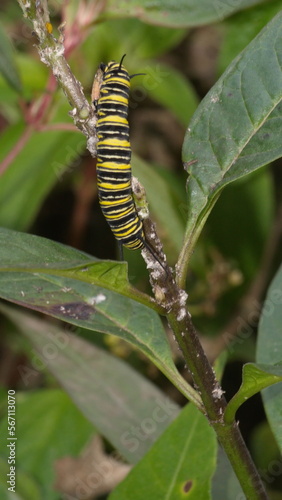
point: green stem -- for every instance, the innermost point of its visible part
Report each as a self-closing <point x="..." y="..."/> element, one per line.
<point x="181" y="384"/>
<point x="231" y="440"/>
<point x="214" y="402"/>
<point x="173" y="300"/>
<point x="193" y="231"/>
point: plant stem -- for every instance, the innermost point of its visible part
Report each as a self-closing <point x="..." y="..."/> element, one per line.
<point x="192" y="233"/>
<point x="19" y="145"/>
<point x="214" y="402"/>
<point x="173" y="300"/>
<point x="51" y="51"/>
<point x="235" y="448"/>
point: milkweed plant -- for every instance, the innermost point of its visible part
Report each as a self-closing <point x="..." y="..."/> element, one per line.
<point x="199" y="287"/>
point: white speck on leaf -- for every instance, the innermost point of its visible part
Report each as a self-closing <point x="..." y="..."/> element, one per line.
<point x="96" y="299"/>
<point x="214" y="98"/>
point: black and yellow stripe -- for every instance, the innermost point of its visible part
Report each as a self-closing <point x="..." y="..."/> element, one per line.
<point x="110" y="95"/>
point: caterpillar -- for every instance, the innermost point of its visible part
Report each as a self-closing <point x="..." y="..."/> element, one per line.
<point x="110" y="95"/>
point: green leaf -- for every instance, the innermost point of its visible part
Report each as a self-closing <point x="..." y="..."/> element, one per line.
<point x="76" y="288"/>
<point x="220" y="364"/>
<point x="161" y="203"/>
<point x="33" y="172"/>
<point x="26" y="487"/>
<point x="227" y="228"/>
<point x="261" y="438"/>
<point x="240" y="29"/>
<point x="179" y="465"/>
<point x="7" y="64"/>
<point x="34" y="75"/>
<point x="136" y="38"/>
<point x="169" y="88"/>
<point x="102" y="386"/>
<point x="45" y="423"/>
<point x="225" y="485"/>
<point x="269" y="350"/>
<point x="139" y="41"/>
<point x="182" y="13"/>
<point x="254" y="379"/>
<point x="236" y="129"/>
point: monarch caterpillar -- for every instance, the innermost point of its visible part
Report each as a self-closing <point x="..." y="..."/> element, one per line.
<point x="110" y="94"/>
